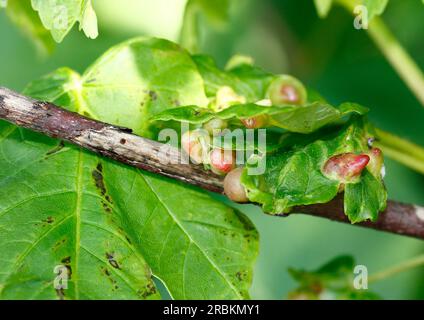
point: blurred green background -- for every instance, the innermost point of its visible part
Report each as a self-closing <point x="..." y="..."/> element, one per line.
<point x="283" y="37"/>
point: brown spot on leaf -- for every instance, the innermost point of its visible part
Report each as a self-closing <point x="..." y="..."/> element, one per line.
<point x="107" y="273"/>
<point x="56" y="149"/>
<point x="106" y="207"/>
<point x="66" y="260"/>
<point x="148" y="291"/>
<point x="153" y="95"/>
<point x="58" y="244"/>
<point x="60" y="294"/>
<point x="47" y="221"/>
<point x="128" y="239"/>
<point x="111" y="258"/>
<point x="97" y="175"/>
<point x="241" y="275"/>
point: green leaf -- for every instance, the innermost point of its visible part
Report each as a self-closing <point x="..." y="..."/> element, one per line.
<point x="56" y="211"/>
<point x="216" y="14"/>
<point x="303" y="119"/>
<point x="59" y="16"/>
<point x="245" y="80"/>
<point x="111" y="224"/>
<point x="132" y="82"/>
<point x="293" y="175"/>
<point x="365" y="199"/>
<point x="238" y="140"/>
<point x="59" y="86"/>
<point x="334" y="280"/>
<point x="375" y="7"/>
<point x="199" y="247"/>
<point x="22" y="14"/>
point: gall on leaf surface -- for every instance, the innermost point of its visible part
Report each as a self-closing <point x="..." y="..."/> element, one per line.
<point x="294" y="174"/>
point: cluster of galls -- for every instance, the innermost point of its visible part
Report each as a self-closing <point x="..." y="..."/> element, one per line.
<point x="196" y="144"/>
<point x="284" y="90"/>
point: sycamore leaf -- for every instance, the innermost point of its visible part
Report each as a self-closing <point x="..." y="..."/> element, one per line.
<point x="22" y="14"/>
<point x="108" y="225"/>
<point x="130" y="83"/>
<point x="294" y="175"/>
<point x="58" y="219"/>
<point x="59" y="16"/>
<point x="112" y="226"/>
<point x="302" y="119"/>
<point x="332" y="281"/>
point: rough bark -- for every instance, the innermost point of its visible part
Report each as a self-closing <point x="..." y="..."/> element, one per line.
<point x="120" y="144"/>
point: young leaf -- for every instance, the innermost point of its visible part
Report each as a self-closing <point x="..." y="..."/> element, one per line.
<point x="365" y="199"/>
<point x="59" y="16"/>
<point x="301" y="119"/>
<point x="333" y="281"/>
<point x="294" y="175"/>
<point x="22" y="14"/>
<point x="131" y="82"/>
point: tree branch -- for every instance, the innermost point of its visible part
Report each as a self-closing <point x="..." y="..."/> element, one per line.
<point x="120" y="144"/>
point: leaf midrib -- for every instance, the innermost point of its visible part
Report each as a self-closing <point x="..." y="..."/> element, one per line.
<point x="78" y="219"/>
